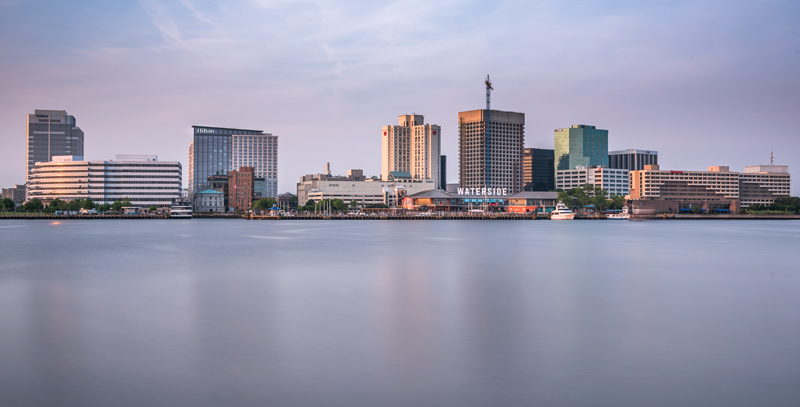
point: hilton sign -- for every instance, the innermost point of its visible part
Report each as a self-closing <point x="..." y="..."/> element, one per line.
<point x="483" y="191"/>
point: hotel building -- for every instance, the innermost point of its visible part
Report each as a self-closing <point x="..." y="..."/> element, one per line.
<point x="759" y="184"/>
<point x="411" y="146"/>
<point x="631" y="159"/>
<point x="259" y="151"/>
<point x="140" y="179"/>
<point x="490" y="149"/>
<point x="51" y="133"/>
<point x="218" y="150"/>
<point x="615" y="181"/>
<point x="537" y="169"/>
<point x="355" y="187"/>
<point x="580" y="145"/>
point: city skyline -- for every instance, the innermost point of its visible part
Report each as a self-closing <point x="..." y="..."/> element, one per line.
<point x="707" y="90"/>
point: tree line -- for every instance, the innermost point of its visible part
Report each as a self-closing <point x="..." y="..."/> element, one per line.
<point x="591" y="195"/>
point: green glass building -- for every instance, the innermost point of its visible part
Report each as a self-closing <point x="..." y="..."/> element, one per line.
<point x="580" y="145"/>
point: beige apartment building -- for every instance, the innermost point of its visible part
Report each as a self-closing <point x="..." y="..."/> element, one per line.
<point x="756" y="185"/>
<point x="411" y="149"/>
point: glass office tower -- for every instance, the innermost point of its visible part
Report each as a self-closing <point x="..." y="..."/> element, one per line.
<point x="51" y="133"/>
<point x="580" y="145"/>
<point x="537" y="169"/>
<point x="211" y="153"/>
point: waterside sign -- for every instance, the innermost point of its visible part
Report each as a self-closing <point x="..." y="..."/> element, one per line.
<point x="483" y="191"/>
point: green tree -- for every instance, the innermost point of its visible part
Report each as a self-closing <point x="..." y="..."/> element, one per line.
<point x="600" y="199"/>
<point x="152" y="209"/>
<point x="786" y="203"/>
<point x="339" y="205"/>
<point x="7" y="205"/>
<point x="264" y="204"/>
<point x="118" y="205"/>
<point x="103" y="208"/>
<point x="353" y="205"/>
<point x="617" y="202"/>
<point x="86" y="203"/>
<point x="56" y="205"/>
<point x="34" y="205"/>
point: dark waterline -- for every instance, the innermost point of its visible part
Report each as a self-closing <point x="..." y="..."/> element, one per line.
<point x="434" y="313"/>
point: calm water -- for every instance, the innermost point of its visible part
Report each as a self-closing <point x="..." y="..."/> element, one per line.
<point x="427" y="313"/>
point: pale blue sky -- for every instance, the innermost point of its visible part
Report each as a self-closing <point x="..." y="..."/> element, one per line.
<point x="702" y="82"/>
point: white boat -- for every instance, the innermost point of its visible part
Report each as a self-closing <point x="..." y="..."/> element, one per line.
<point x="180" y="210"/>
<point x="622" y="215"/>
<point x="562" y="213"/>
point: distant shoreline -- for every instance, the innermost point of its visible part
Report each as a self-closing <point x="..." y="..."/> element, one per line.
<point x="454" y="216"/>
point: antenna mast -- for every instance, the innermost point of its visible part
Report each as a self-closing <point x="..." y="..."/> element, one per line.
<point x="489" y="90"/>
<point x="771" y="158"/>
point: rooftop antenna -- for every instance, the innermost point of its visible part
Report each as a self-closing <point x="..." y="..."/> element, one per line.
<point x="489" y="90"/>
<point x="771" y="158"/>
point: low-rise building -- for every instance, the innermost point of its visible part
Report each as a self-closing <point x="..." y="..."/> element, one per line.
<point x="614" y="180"/>
<point x="521" y="202"/>
<point x="140" y="179"/>
<point x="716" y="186"/>
<point x="356" y="188"/>
<point x="209" y="200"/>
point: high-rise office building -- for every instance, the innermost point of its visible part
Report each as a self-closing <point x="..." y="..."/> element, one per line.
<point x="490" y="149"/>
<point x="51" y="133"/>
<point x="632" y="159"/>
<point x="537" y="169"/>
<point x="212" y="153"/>
<point x="411" y="146"/>
<point x="580" y="145"/>
<point x="259" y="151"/>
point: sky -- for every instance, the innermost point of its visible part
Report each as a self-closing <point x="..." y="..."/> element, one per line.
<point x="702" y="82"/>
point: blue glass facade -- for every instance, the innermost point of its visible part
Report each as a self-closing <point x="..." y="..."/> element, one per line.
<point x="212" y="153"/>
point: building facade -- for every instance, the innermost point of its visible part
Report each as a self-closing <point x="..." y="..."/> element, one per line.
<point x="490" y="149"/>
<point x="15" y="193"/>
<point x="209" y="200"/>
<point x="757" y="185"/>
<point x="442" y="172"/>
<point x="51" y="133"/>
<point x="211" y="153"/>
<point x="259" y="151"/>
<point x="356" y="188"/>
<point x="521" y="202"/>
<point x="580" y="145"/>
<point x="537" y="169"/>
<point x="632" y="159"/>
<point x="615" y="181"/>
<point x="142" y="180"/>
<point x="411" y="146"/>
<point x="241" y="189"/>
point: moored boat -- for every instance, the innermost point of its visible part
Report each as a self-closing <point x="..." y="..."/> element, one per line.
<point x="180" y="210"/>
<point x="624" y="214"/>
<point x="562" y="212"/>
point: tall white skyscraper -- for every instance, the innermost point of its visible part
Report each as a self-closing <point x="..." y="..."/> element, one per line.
<point x="411" y="148"/>
<point x="259" y="151"/>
